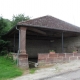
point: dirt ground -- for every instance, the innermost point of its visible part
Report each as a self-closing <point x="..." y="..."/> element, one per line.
<point x="50" y="71"/>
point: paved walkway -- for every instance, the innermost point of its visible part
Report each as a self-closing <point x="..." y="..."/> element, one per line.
<point x="75" y="75"/>
<point x="51" y="71"/>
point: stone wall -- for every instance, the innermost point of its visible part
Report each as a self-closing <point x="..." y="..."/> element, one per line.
<point x="70" y="44"/>
<point x="33" y="47"/>
<point x="50" y="59"/>
<point x="44" y="46"/>
<point x="37" y="46"/>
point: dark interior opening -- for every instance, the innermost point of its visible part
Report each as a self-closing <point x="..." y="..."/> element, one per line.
<point x="32" y="62"/>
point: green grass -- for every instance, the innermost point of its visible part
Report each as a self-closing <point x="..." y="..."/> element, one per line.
<point x="8" y="68"/>
<point x="32" y="70"/>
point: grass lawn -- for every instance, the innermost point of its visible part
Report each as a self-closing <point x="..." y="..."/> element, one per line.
<point x="32" y="70"/>
<point x="8" y="69"/>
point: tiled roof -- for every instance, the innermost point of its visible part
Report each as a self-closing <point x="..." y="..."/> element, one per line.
<point x="51" y="23"/>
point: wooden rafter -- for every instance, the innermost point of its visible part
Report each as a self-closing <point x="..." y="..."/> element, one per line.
<point x="37" y="30"/>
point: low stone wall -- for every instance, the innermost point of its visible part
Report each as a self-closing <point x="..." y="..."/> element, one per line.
<point x="14" y="56"/>
<point x="50" y="59"/>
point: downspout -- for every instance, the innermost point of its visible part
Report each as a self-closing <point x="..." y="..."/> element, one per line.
<point x="18" y="47"/>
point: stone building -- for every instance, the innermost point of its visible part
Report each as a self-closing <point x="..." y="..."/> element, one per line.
<point x="41" y="35"/>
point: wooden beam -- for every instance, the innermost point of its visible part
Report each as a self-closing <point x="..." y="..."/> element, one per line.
<point x="37" y="30"/>
<point x="33" y="37"/>
<point x="12" y="33"/>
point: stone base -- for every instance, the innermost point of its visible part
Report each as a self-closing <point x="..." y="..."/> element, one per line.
<point x="23" y="61"/>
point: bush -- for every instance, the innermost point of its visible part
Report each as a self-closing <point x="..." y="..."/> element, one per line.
<point x="3" y="52"/>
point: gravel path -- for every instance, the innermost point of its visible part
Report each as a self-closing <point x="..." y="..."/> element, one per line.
<point x="51" y="71"/>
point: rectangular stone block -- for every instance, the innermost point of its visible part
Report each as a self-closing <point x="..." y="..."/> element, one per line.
<point x="23" y="61"/>
<point x="42" y="62"/>
<point x="50" y="60"/>
<point x="78" y="57"/>
<point x="76" y="54"/>
<point x="61" y="55"/>
<point x="21" y="56"/>
<point x="53" y="55"/>
<point x="65" y="59"/>
<point x="73" y="58"/>
<point x="69" y="54"/>
<point x="42" y="56"/>
<point x="58" y="59"/>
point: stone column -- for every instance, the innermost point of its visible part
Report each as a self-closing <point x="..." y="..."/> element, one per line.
<point x="23" y="57"/>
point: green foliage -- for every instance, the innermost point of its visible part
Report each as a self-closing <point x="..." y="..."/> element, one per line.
<point x="51" y="51"/>
<point x="3" y="30"/>
<point x="5" y="26"/>
<point x="3" y="47"/>
<point x="19" y="18"/>
<point x="3" y="52"/>
<point x="9" y="25"/>
<point x="8" y="68"/>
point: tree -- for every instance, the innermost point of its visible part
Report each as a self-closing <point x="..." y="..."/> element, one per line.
<point x="8" y="26"/>
<point x="19" y="18"/>
<point x="3" y="25"/>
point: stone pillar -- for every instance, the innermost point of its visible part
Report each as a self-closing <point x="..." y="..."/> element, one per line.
<point x="23" y="57"/>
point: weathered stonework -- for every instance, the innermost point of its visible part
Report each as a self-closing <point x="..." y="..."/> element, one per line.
<point x="23" y="61"/>
<point x="23" y="40"/>
<point x="43" y="46"/>
<point x="23" y="57"/>
<point x="50" y="59"/>
<point x="70" y="44"/>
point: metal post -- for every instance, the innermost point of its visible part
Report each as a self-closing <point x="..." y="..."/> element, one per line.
<point x="62" y="43"/>
<point x="14" y="43"/>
